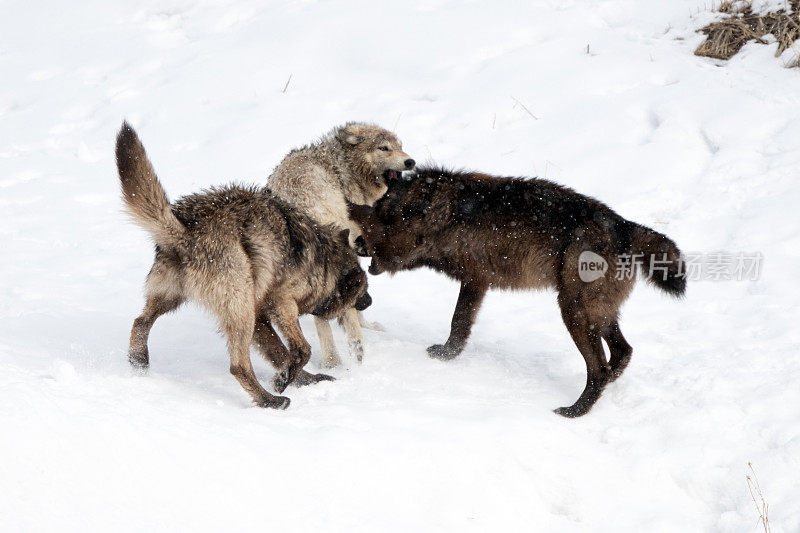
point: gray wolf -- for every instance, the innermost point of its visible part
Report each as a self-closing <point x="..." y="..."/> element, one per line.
<point x="510" y="233"/>
<point x="351" y="164"/>
<point x="249" y="258"/>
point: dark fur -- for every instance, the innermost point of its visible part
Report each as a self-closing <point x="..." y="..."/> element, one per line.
<point x="247" y="256"/>
<point x="510" y="233"/>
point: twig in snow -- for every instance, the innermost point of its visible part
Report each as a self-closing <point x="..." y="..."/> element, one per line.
<point x="762" y="508"/>
<point x="287" y="84"/>
<point x="397" y="121"/>
<point x="525" y="108"/>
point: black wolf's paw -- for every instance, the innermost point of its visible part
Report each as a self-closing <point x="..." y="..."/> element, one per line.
<point x="573" y="411"/>
<point x="275" y="402"/>
<point x="361" y="246"/>
<point x="442" y="351"/>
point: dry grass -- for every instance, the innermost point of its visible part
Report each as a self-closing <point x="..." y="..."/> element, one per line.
<point x="287" y="84"/>
<point x="726" y="37"/>
<point x="762" y="507"/>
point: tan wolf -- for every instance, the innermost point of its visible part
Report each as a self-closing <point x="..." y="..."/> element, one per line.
<point x="351" y="164"/>
<point x="249" y="258"/>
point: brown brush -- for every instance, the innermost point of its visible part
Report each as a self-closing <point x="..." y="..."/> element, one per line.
<point x="726" y="37"/>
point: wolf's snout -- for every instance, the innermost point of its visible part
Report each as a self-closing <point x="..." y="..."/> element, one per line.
<point x="363" y="302"/>
<point x="373" y="268"/>
<point x="410" y="163"/>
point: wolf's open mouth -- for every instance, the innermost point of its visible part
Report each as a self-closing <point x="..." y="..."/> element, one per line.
<point x="390" y="175"/>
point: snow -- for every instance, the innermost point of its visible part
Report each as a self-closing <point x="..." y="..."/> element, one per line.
<point x="769" y="6"/>
<point x="705" y="151"/>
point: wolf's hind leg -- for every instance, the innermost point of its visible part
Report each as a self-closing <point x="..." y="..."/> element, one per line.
<point x="621" y="351"/>
<point x="330" y="357"/>
<point x="157" y="305"/>
<point x="585" y="333"/>
<point x="355" y="338"/>
<point x="366" y="324"/>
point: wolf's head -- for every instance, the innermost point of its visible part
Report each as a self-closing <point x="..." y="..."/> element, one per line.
<point x="349" y="289"/>
<point x="376" y="154"/>
<point x="394" y="230"/>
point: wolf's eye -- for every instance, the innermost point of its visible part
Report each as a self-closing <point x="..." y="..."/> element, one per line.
<point x="383" y="148"/>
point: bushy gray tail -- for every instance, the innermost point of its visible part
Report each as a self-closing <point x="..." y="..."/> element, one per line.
<point x="143" y="194"/>
<point x="658" y="259"/>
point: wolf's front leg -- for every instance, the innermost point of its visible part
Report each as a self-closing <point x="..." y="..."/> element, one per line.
<point x="469" y="302"/>
<point x="273" y="350"/>
<point x="286" y="317"/>
<point x="330" y="357"/>
<point x="352" y="328"/>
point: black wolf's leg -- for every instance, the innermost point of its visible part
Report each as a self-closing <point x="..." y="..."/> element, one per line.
<point x="469" y="302"/>
<point x="620" y="350"/>
<point x="587" y="338"/>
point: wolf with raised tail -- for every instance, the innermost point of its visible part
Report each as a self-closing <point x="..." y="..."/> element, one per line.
<point x="246" y="256"/>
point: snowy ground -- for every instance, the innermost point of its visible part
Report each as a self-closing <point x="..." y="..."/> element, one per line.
<point x="707" y="152"/>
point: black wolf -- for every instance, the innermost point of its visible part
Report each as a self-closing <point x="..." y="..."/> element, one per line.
<point x="510" y="233"/>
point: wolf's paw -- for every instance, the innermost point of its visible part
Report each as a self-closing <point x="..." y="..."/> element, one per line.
<point x="139" y="360"/>
<point x="573" y="411"/>
<point x="280" y="381"/>
<point x="331" y="360"/>
<point x="322" y="377"/>
<point x="275" y="402"/>
<point x="305" y="378"/>
<point x="357" y="350"/>
<point x="442" y="351"/>
<point x="375" y="326"/>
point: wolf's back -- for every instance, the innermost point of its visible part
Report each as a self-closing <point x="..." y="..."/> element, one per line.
<point x="143" y="194"/>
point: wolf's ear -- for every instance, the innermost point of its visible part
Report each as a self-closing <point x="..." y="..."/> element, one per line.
<point x="344" y="236"/>
<point x="350" y="136"/>
<point x="360" y="213"/>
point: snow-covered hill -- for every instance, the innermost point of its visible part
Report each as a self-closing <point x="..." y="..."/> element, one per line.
<point x="602" y="95"/>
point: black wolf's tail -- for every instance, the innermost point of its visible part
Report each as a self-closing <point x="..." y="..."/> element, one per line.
<point x="658" y="259"/>
<point x="143" y="194"/>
